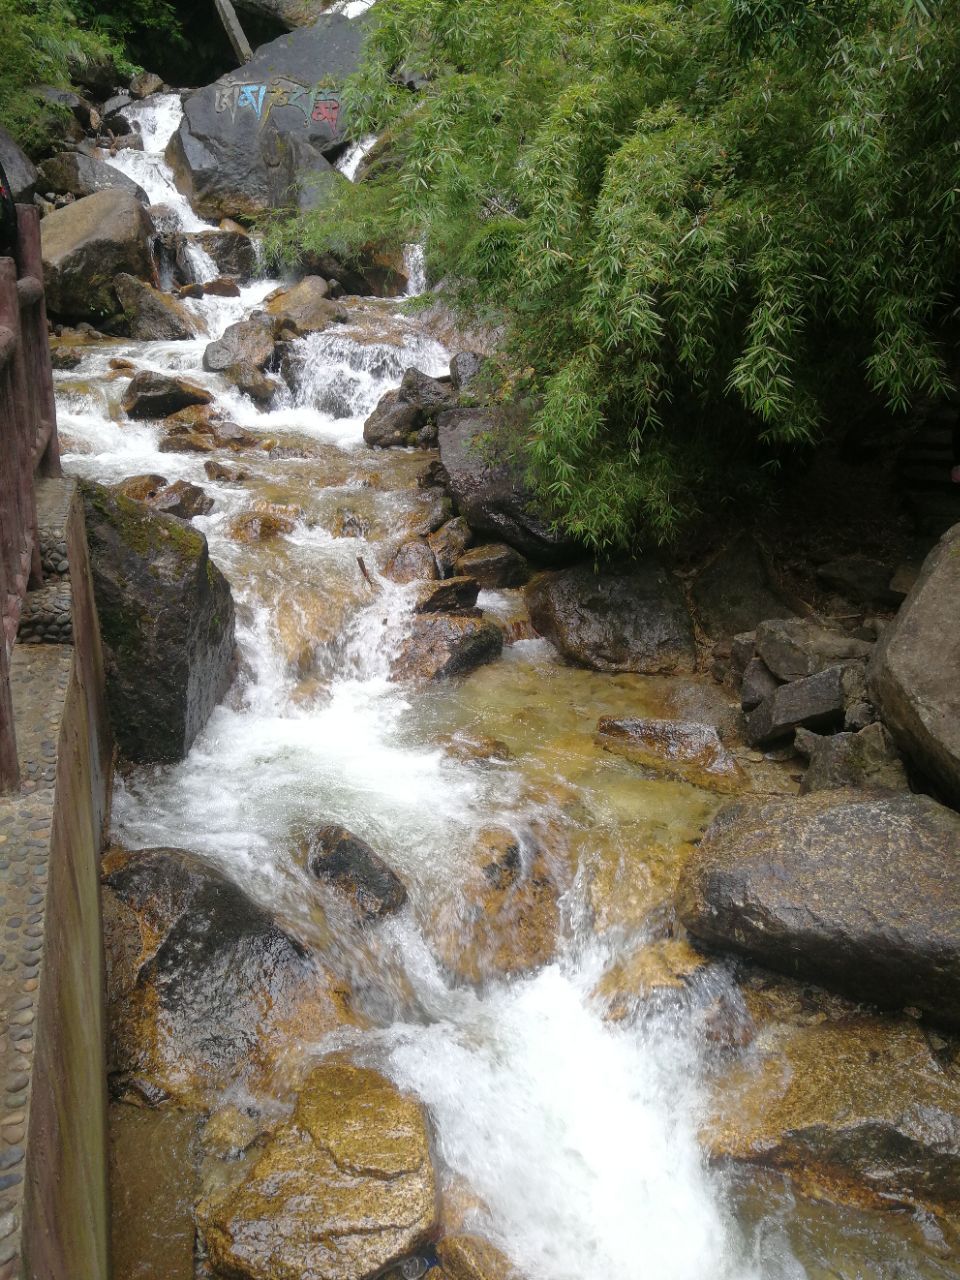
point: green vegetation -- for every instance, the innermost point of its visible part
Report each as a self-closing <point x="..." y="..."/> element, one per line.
<point x="717" y="229"/>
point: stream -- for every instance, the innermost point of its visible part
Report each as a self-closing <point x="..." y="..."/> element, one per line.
<point x="575" y="1133"/>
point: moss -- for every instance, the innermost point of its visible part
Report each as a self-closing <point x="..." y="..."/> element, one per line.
<point x="144" y="532"/>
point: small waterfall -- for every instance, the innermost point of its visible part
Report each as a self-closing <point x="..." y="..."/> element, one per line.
<point x="350" y="161"/>
<point x="414" y="269"/>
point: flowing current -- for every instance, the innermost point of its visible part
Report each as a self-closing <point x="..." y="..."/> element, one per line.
<point x="575" y="1134"/>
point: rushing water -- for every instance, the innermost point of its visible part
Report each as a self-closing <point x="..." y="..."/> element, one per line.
<point x="576" y="1136"/>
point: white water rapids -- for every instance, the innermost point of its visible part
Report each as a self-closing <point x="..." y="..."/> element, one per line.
<point x="578" y="1136"/>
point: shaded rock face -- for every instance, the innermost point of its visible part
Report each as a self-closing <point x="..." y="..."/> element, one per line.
<point x="630" y="619"/>
<point x="733" y="593"/>
<point x="251" y="141"/>
<point x="691" y="752"/>
<point x="489" y="488"/>
<point x="20" y="170"/>
<point x="854" y="1108"/>
<point x="152" y="315"/>
<point x="914" y="674"/>
<point x="156" y="395"/>
<point x="338" y="857"/>
<point x="73" y="173"/>
<point x="816" y="702"/>
<point x="867" y="759"/>
<point x="343" y="1190"/>
<point x="441" y="645"/>
<point x="86" y="244"/>
<point x="858" y="890"/>
<point x="202" y="983"/>
<point x="167" y="622"/>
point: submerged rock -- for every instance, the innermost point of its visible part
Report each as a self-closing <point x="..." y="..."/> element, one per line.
<point x="203" y="985"/>
<point x="626" y="619"/>
<point x="343" y="1190"/>
<point x="351" y="866"/>
<point x="157" y="395"/>
<point x="440" y="645"/>
<point x="86" y="244"/>
<point x="914" y="674"/>
<point x="691" y="752"/>
<point x="858" y="890"/>
<point x="167" y="623"/>
<point x="251" y="142"/>
<point x="152" y="315"/>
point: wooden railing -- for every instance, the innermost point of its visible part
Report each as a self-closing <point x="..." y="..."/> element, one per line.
<point x="28" y="448"/>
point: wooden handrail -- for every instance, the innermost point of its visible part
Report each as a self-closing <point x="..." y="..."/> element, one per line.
<point x="28" y="447"/>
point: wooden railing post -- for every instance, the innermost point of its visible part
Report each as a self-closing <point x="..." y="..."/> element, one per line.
<point x="11" y="532"/>
<point x="40" y="370"/>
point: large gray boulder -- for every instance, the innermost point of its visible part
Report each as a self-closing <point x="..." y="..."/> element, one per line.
<point x="914" y="676"/>
<point x="86" y="244"/>
<point x="20" y="170"/>
<point x="631" y="618"/>
<point x="167" y="622"/>
<point x="859" y="890"/>
<point x="255" y="139"/>
<point x="489" y="488"/>
<point x="73" y="173"/>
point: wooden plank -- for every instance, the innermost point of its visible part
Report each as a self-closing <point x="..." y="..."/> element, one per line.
<point x="10" y="534"/>
<point x="238" y="41"/>
<point x="30" y="262"/>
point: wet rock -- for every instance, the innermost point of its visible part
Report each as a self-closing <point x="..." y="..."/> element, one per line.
<point x="167" y="623"/>
<point x="231" y="248"/>
<point x="63" y="358"/>
<point x="816" y="702"/>
<point x="408" y="416"/>
<point x="665" y="966"/>
<point x="190" y="291"/>
<point x="259" y="526"/>
<point x="338" y="857"/>
<point x="73" y="173"/>
<point x="854" y="1108"/>
<point x="309" y="621"/>
<point x="913" y="676"/>
<point x="509" y="920"/>
<point x="252" y="382"/>
<point x="252" y="141"/>
<point x="83" y="112"/>
<point x="413" y="562"/>
<point x="246" y="342"/>
<point x="181" y="499"/>
<point x="805" y="886"/>
<point x="487" y="484"/>
<point x="222" y="287"/>
<point x="626" y="619"/>
<point x="758" y="683"/>
<point x="151" y="315"/>
<point x="343" y="1190"/>
<point x="867" y="760"/>
<point x="203" y="985"/>
<point x="20" y="170"/>
<point x="157" y="395"/>
<point x="392" y="423"/>
<point x="306" y="308"/>
<point x="468" y="1257"/>
<point x="691" y="752"/>
<point x="223" y="473"/>
<point x="141" y="488"/>
<point x="449" y="542"/>
<point x="793" y="648"/>
<point x="187" y="442"/>
<point x="474" y="747"/>
<point x="433" y="510"/>
<point x="464" y="367"/>
<point x="733" y="593"/>
<point x="494" y="565"/>
<point x="861" y="579"/>
<point x="452" y="595"/>
<point x="87" y="244"/>
<point x="144" y="84"/>
<point x="441" y="645"/>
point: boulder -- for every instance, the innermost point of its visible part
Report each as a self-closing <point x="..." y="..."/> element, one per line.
<point x="413" y="562"/>
<point x="233" y="251"/>
<point x="155" y="395"/>
<point x="167" y="623"/>
<point x="487" y="483"/>
<point x="816" y="702"/>
<point x="203" y="986"/>
<point x="306" y="308"/>
<point x="339" y="858"/>
<point x="628" y="618"/>
<point x="73" y="173"/>
<point x="758" y="684"/>
<point x="913" y="675"/>
<point x="863" y="580"/>
<point x="679" y="749"/>
<point x="151" y="315"/>
<point x="494" y="565"/>
<point x="20" y="170"/>
<point x="452" y="595"/>
<point x="858" y="890"/>
<point x="222" y="287"/>
<point x="141" y="488"/>
<point x="181" y="499"/>
<point x="86" y="245"/>
<point x="144" y="84"/>
<point x="796" y="647"/>
<point x="464" y="367"/>
<point x="288" y="13"/>
<point x="253" y="382"/>
<point x="867" y="759"/>
<point x="246" y="342"/>
<point x="449" y="542"/>
<point x="392" y="424"/>
<point x="440" y="645"/>
<point x="408" y="416"/>
<point x="250" y="142"/>
<point x="341" y="1191"/>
